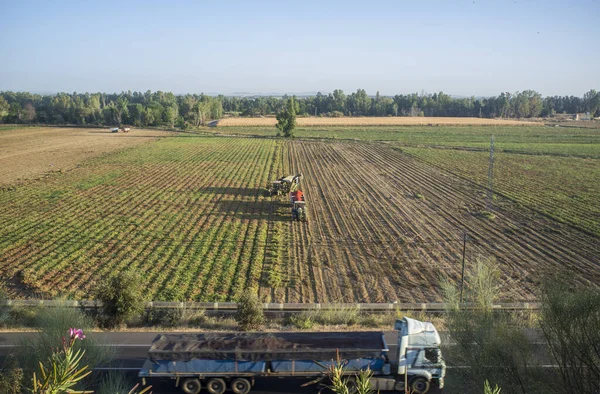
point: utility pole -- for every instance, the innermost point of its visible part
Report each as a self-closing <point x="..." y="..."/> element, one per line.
<point x="462" y="275"/>
<point x="490" y="191"/>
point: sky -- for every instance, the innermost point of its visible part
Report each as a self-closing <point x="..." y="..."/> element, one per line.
<point x="460" y="47"/>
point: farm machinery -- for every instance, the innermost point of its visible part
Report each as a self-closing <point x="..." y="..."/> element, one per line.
<point x="298" y="206"/>
<point x="285" y="185"/>
<point x="290" y="185"/>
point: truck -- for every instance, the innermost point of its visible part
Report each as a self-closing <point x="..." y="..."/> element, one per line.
<point x="232" y="361"/>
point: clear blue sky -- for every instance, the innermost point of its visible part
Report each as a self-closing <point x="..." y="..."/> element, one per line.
<point x="461" y="47"/>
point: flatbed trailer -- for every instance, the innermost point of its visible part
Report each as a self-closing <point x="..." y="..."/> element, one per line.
<point x="221" y="361"/>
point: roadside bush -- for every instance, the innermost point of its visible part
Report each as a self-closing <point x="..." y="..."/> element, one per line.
<point x="302" y="321"/>
<point x="337" y="316"/>
<point x="119" y="383"/>
<point x="53" y="324"/>
<point x="492" y="345"/>
<point x="172" y="317"/>
<point x="11" y="376"/>
<point x="249" y="315"/>
<point x="122" y="297"/>
<point x="570" y="322"/>
<point x="5" y="317"/>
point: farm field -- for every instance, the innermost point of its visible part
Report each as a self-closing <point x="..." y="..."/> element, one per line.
<point x="566" y="188"/>
<point x="32" y="152"/>
<point x="385" y="226"/>
<point x="580" y="142"/>
<point x="372" y="121"/>
<point x="191" y="213"/>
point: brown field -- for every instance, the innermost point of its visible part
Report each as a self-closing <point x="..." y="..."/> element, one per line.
<point x="32" y="152"/>
<point x="378" y="121"/>
<point x="193" y="215"/>
<point x="384" y="226"/>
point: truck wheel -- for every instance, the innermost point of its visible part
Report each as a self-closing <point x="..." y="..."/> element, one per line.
<point x="191" y="386"/>
<point x="240" y="386"/>
<point x="216" y="386"/>
<point x="419" y="386"/>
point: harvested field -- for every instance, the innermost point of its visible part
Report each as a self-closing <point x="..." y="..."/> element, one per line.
<point x="566" y="188"/>
<point x="384" y="226"/>
<point x="191" y="212"/>
<point x="32" y="152"/>
<point x="376" y="121"/>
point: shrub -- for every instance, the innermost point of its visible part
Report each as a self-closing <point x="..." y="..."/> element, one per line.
<point x="62" y="371"/>
<point x="484" y="338"/>
<point x="171" y="317"/>
<point x="250" y="315"/>
<point x="122" y="297"/>
<point x="119" y="383"/>
<point x="570" y="322"/>
<point x="11" y="376"/>
<point x="52" y="324"/>
<point x="302" y="321"/>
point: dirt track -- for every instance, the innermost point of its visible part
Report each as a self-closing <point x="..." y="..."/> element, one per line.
<point x="32" y="152"/>
<point x="384" y="226"/>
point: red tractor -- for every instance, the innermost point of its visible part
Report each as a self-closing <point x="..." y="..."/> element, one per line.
<point x="298" y="206"/>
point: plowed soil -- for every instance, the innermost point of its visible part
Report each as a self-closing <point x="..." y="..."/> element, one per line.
<point x="33" y="152"/>
<point x="384" y="226"/>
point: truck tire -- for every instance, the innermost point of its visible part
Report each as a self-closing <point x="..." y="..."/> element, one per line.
<point x="419" y="386"/>
<point x="216" y="386"/>
<point x="241" y="386"/>
<point x="191" y="386"/>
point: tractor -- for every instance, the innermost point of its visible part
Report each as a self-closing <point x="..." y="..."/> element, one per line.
<point x="285" y="185"/>
<point x="299" y="211"/>
<point x="298" y="206"/>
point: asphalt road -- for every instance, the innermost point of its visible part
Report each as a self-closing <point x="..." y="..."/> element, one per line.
<point x="132" y="348"/>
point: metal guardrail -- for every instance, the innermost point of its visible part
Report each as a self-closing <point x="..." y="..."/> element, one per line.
<point x="275" y="307"/>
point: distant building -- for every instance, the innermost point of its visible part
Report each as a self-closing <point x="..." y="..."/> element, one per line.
<point x="585" y="116"/>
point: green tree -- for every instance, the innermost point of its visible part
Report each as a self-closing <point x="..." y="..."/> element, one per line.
<point x="286" y="119"/>
<point x="4" y="106"/>
<point x="122" y="298"/>
<point x="249" y="315"/>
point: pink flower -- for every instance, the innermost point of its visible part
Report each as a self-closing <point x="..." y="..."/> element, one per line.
<point x="76" y="333"/>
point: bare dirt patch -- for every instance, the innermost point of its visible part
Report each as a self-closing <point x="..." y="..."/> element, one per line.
<point x="384" y="226"/>
<point x="379" y="121"/>
<point x="32" y="152"/>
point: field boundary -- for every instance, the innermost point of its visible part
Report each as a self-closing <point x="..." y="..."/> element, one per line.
<point x="282" y="307"/>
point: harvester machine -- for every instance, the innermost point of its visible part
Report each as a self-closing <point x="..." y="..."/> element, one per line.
<point x="285" y="185"/>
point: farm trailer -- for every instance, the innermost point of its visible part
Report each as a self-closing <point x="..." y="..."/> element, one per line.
<point x="285" y="185"/>
<point x="221" y="362"/>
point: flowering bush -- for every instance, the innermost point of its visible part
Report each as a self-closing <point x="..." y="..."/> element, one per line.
<point x="63" y="371"/>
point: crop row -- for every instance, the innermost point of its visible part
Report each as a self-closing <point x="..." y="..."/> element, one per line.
<point x="189" y="213"/>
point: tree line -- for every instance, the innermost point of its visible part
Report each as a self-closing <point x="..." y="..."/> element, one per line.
<point x="192" y="110"/>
